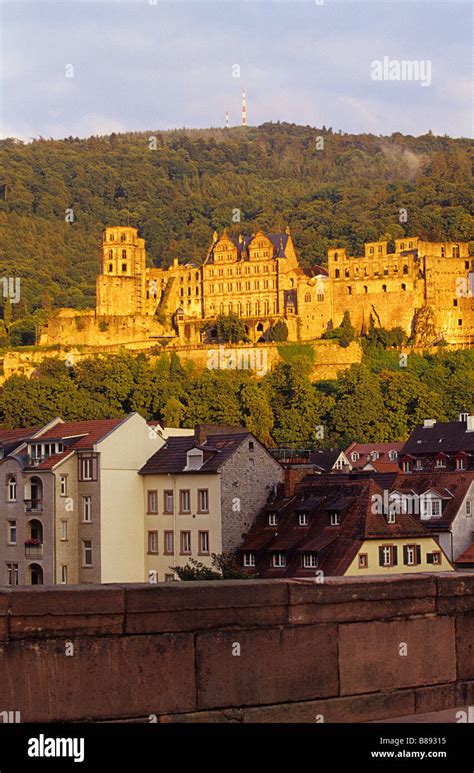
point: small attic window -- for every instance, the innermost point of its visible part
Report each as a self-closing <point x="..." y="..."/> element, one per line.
<point x="194" y="459"/>
<point x="334" y="519"/>
<point x="251" y="445"/>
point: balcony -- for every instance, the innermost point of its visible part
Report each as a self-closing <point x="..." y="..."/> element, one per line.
<point x="33" y="505"/>
<point x="33" y="549"/>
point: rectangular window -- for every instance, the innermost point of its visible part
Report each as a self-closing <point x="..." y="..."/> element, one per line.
<point x="185" y="543"/>
<point x="468" y="507"/>
<point x="249" y="559"/>
<point x="168" y="502"/>
<point x="11" y="533"/>
<point x="363" y="561"/>
<point x="278" y="560"/>
<point x="88" y="467"/>
<point x="272" y="519"/>
<point x="64" y="574"/>
<point x="12" y="574"/>
<point x="203" y="500"/>
<point x="310" y="560"/>
<point x="460" y="464"/>
<point x="152" y="501"/>
<point x="184" y="501"/>
<point x="435" y="507"/>
<point x="63" y="530"/>
<point x="303" y="519"/>
<point x="87" y="552"/>
<point x="87" y="509"/>
<point x="334" y="519"/>
<point x="388" y="555"/>
<point x="168" y="549"/>
<point x="169" y="577"/>
<point x="153" y="542"/>
<point x="409" y="555"/>
<point x="203" y="543"/>
<point x="63" y="485"/>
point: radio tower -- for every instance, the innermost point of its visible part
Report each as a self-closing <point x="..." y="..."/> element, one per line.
<point x="244" y="110"/>
<point x="226" y="119"/>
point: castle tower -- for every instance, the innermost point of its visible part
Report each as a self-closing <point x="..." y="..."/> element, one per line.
<point x="121" y="282"/>
<point x="244" y="110"/>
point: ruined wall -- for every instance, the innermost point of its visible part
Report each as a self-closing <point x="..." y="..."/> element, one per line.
<point x="239" y="651"/>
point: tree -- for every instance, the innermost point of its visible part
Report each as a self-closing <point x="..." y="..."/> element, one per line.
<point x="225" y="568"/>
<point x="279" y="331"/>
<point x="230" y="329"/>
<point x="345" y="333"/>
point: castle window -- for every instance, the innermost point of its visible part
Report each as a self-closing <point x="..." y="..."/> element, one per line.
<point x="197" y="290"/>
<point x="248" y="309"/>
<point x="349" y="290"/>
<point x="320" y="295"/>
<point x="405" y="269"/>
<point x="456" y="252"/>
<point x="384" y="288"/>
<point x="410" y="245"/>
<point x="274" y="307"/>
<point x="238" y="286"/>
<point x="247" y="270"/>
<point x="123" y="237"/>
<point x="266" y="307"/>
<point x="221" y="308"/>
<point x="265" y="284"/>
<point x="211" y="288"/>
<point x="196" y="276"/>
<point x="124" y="254"/>
<point x="455" y="302"/>
<point x="189" y="277"/>
<point x="402" y="246"/>
<point x="181" y="292"/>
<point x="257" y="269"/>
<point x="229" y="287"/>
<point x="189" y="291"/>
<point x="380" y="249"/>
<point x="229" y="272"/>
<point x="111" y="237"/>
<point x="466" y="264"/>
<point x="460" y="322"/>
<point x="404" y="287"/>
<point x="257" y="285"/>
<point x="265" y="269"/>
<point x="385" y="272"/>
<point x="307" y="298"/>
<point x="346" y="272"/>
<point x="443" y="252"/>
<point x="111" y="268"/>
<point x="124" y="268"/>
<point x="371" y="250"/>
<point x="220" y="272"/>
<point x="335" y="256"/>
<point x="247" y="285"/>
<point x="337" y="273"/>
<point x="366" y="289"/>
<point x="238" y="271"/>
<point x="220" y="287"/>
<point x="111" y="254"/>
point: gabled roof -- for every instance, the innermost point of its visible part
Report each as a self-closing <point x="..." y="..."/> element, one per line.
<point x="172" y="457"/>
<point x="466" y="558"/>
<point x="81" y="434"/>
<point x="452" y="487"/>
<point x="448" y="437"/>
<point x="365" y="451"/>
<point x="324" y="460"/>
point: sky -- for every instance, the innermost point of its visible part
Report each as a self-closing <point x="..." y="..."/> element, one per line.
<point x="143" y="65"/>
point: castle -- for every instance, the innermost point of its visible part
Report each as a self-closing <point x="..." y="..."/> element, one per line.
<point x="427" y="288"/>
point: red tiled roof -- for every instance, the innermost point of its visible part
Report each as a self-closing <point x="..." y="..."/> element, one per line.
<point x="87" y="432"/>
<point x="467" y="557"/>
<point x="7" y="435"/>
<point x="456" y="483"/>
<point x="52" y="461"/>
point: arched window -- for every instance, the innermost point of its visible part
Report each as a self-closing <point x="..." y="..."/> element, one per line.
<point x="12" y="488"/>
<point x="404" y="287"/>
<point x="366" y="289"/>
<point x="111" y="254"/>
<point x="335" y="256"/>
<point x="384" y="288"/>
<point x="307" y="298"/>
<point x="123" y="237"/>
<point x="124" y="254"/>
<point x="111" y="237"/>
<point x="456" y="252"/>
<point x="111" y="267"/>
<point x="405" y="269"/>
<point x="337" y="273"/>
<point x="402" y="246"/>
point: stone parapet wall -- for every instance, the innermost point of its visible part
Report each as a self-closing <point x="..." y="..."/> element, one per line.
<point x="239" y="651"/>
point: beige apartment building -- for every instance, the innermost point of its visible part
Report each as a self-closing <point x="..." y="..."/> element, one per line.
<point x="71" y="501"/>
<point x="202" y="495"/>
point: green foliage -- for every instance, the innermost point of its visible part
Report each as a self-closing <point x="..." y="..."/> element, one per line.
<point x="188" y="186"/>
<point x="103" y="325"/>
<point x="377" y="400"/>
<point x="230" y="329"/>
<point x="279" y="331"/>
<point x="344" y="334"/>
<point x="225" y="568"/>
<point x="379" y="336"/>
<point x="292" y="352"/>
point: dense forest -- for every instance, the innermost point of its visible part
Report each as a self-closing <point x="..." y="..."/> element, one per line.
<point x="178" y="186"/>
<point x="375" y="401"/>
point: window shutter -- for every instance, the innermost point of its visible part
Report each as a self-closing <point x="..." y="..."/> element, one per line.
<point x="395" y="555"/>
<point x="380" y="556"/>
<point x="405" y="554"/>
<point x="429" y="558"/>
<point x="418" y="554"/>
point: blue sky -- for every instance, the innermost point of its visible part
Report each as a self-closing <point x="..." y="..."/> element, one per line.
<point x="139" y="66"/>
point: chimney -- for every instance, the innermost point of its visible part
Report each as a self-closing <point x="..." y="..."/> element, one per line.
<point x="200" y="434"/>
<point x="428" y="423"/>
<point x="293" y="475"/>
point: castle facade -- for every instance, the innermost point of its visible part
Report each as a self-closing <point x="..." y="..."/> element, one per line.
<point x="427" y="288"/>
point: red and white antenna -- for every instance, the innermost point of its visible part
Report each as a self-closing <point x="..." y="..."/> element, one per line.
<point x="244" y="110"/>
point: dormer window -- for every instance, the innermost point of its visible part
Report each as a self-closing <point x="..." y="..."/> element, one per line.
<point x="194" y="459"/>
<point x="392" y="455"/>
<point x="278" y="560"/>
<point x="440" y="463"/>
<point x="391" y="518"/>
<point x="272" y="519"/>
<point x="249" y="559"/>
<point x="334" y="519"/>
<point x="302" y="519"/>
<point x="430" y="507"/>
<point x="355" y="456"/>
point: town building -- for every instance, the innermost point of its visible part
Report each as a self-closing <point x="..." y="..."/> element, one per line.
<point x="440" y="446"/>
<point x="202" y="494"/>
<point x="424" y="287"/>
<point x="338" y="525"/>
<point x="375" y="457"/>
<point x="71" y="501"/>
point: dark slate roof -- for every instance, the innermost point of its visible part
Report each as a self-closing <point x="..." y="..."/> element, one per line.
<point x="324" y="460"/>
<point x="172" y="457"/>
<point x="448" y="437"/>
